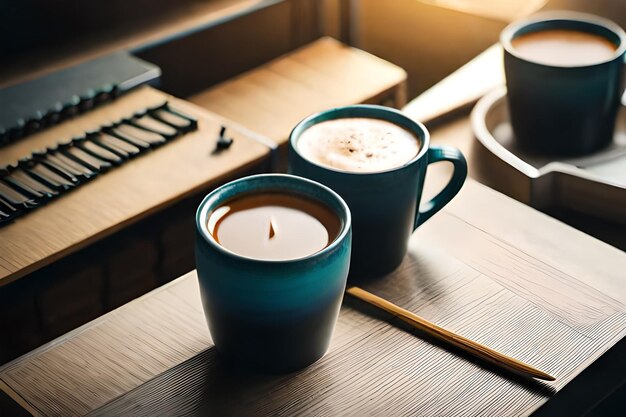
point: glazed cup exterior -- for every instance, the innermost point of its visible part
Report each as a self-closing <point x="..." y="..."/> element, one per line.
<point x="563" y="110"/>
<point x="275" y="316"/>
<point x="384" y="205"/>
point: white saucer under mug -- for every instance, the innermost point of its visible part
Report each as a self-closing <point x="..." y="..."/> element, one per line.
<point x="592" y="184"/>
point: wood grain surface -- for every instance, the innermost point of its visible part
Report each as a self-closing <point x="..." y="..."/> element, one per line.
<point x="547" y="295"/>
<point x="273" y="98"/>
<point x="125" y="194"/>
<point x="480" y="352"/>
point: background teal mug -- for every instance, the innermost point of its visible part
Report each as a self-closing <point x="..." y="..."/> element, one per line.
<point x="275" y="316"/>
<point x="561" y="109"/>
<point x="384" y="205"/>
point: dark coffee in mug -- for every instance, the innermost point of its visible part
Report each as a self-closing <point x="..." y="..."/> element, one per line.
<point x="358" y="144"/>
<point x="273" y="226"/>
<point x="564" y="47"/>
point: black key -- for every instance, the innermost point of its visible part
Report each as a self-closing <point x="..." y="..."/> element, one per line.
<point x="28" y="180"/>
<point x="171" y="119"/>
<point x="176" y="112"/>
<point x="54" y="115"/>
<point x="82" y="157"/>
<point x="33" y="124"/>
<point x="154" y="125"/>
<point x="15" y="198"/>
<point x="66" y="153"/>
<point x="59" y="170"/>
<point x="27" y="187"/>
<point x="10" y="195"/>
<point x="70" y="109"/>
<point x="52" y="162"/>
<point x="116" y="145"/>
<point x="102" y="97"/>
<point x="48" y="184"/>
<point x="7" y="207"/>
<point x="76" y="168"/>
<point x="87" y="101"/>
<point x="22" y="188"/>
<point x="99" y="152"/>
<point x="136" y="133"/>
<point x="5" y="218"/>
<point x="7" y="212"/>
<point x="44" y="175"/>
<point x="129" y="139"/>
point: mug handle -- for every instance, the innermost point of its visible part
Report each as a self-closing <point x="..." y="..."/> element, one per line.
<point x="438" y="154"/>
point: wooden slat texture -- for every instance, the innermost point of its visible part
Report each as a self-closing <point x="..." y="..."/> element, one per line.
<point x="125" y="194"/>
<point x="13" y="405"/>
<point x="273" y="98"/>
<point x="168" y="342"/>
<point x="547" y="295"/>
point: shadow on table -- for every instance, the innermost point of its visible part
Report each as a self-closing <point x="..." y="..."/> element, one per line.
<point x="203" y="385"/>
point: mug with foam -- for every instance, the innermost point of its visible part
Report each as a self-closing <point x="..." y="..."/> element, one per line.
<point x="375" y="158"/>
<point x="564" y="76"/>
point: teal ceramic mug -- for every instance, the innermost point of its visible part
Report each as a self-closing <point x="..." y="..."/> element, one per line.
<point x="384" y="205"/>
<point x="275" y="316"/>
<point x="568" y="107"/>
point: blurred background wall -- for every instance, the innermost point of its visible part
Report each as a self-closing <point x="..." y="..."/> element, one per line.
<point x="429" y="38"/>
<point x="432" y="38"/>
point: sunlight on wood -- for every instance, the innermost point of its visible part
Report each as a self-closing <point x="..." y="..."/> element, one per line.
<point x="507" y="10"/>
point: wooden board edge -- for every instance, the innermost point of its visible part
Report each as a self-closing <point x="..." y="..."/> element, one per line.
<point x="103" y="318"/>
<point x="19" y="400"/>
<point x="121" y="225"/>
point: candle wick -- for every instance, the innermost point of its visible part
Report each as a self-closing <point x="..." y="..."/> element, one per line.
<point x="272" y="231"/>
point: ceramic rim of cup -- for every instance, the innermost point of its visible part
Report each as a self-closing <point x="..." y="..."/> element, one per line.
<point x="411" y="125"/>
<point x="211" y="200"/>
<point x="509" y="32"/>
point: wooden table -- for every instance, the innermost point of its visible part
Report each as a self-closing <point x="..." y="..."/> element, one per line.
<point x="486" y="266"/>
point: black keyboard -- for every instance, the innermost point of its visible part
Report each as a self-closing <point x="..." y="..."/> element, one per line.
<point x="33" y="105"/>
<point x="43" y="176"/>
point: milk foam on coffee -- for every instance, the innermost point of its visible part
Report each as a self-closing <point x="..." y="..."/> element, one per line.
<point x="358" y="144"/>
<point x="562" y="47"/>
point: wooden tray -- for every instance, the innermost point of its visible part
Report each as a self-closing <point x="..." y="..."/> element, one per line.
<point x="128" y="193"/>
<point x="594" y="184"/>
